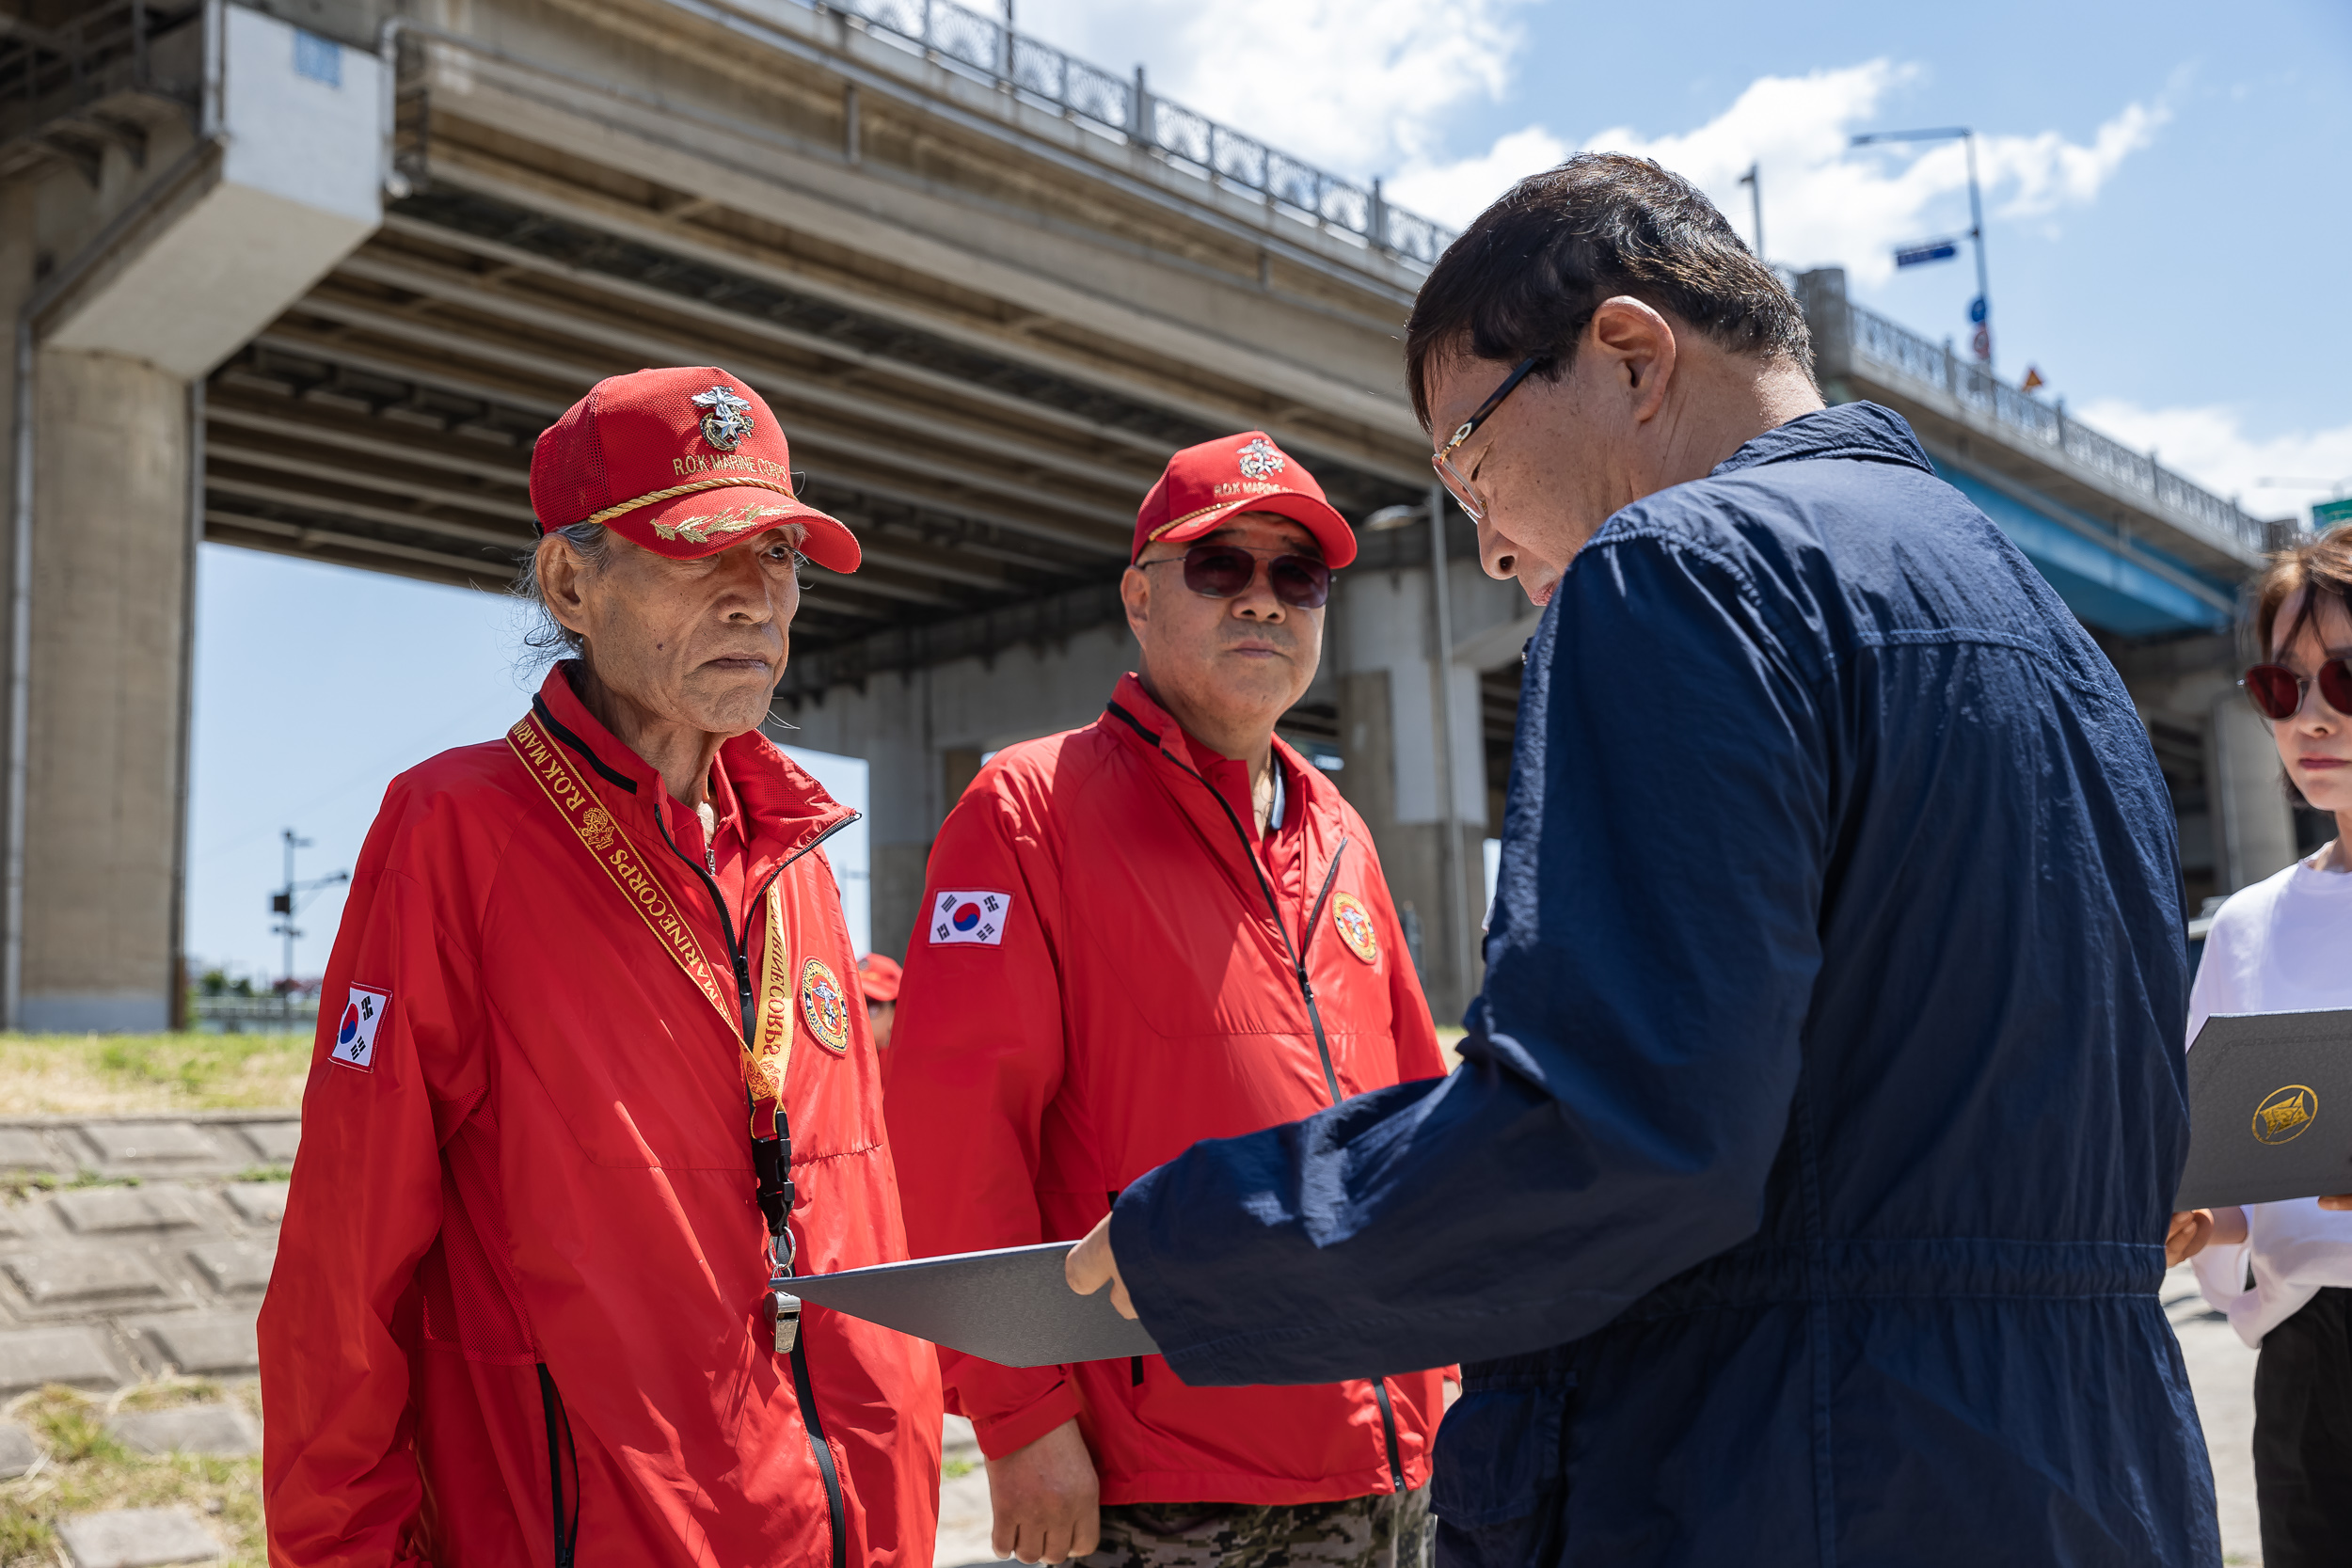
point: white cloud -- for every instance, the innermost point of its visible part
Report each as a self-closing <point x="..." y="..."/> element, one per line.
<point x="1357" y="86"/>
<point x="2049" y="172"/>
<point x="2212" y="446"/>
<point x="1824" y="200"/>
<point x="1455" y="192"/>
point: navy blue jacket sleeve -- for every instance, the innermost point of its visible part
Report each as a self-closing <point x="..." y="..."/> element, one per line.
<point x="1631" y="1062"/>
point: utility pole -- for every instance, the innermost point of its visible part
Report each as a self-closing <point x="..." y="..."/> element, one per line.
<point x="287" y="902"/>
<point x="1753" y="179"/>
<point x="1980" y="309"/>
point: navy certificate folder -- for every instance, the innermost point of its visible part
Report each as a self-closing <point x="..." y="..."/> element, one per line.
<point x="2270" y="1109"/>
<point x="1012" y="1306"/>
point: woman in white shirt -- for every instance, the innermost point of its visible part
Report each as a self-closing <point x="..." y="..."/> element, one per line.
<point x="2284" y="1270"/>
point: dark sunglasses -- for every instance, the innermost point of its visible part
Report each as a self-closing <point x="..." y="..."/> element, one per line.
<point x="1225" y="571"/>
<point x="2278" y="693"/>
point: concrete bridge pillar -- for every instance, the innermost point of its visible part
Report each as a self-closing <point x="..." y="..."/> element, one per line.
<point x="1394" y="740"/>
<point x="112" y="561"/>
<point x="246" y="162"/>
<point x="2257" y="834"/>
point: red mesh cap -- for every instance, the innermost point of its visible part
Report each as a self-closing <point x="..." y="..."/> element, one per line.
<point x="685" y="462"/>
<point x="1205" y="485"/>
<point x="878" y="978"/>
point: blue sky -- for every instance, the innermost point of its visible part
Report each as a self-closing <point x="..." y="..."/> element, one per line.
<point x="2169" y="222"/>
<point x="2169" y="212"/>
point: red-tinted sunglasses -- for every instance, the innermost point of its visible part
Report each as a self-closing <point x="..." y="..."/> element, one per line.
<point x="1225" y="571"/>
<point x="2278" y="693"/>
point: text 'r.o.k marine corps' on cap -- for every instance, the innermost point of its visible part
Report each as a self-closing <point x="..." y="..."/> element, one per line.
<point x="685" y="462"/>
<point x="1204" y="485"/>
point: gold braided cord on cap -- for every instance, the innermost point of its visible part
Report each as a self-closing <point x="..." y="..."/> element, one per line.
<point x="733" y="482"/>
<point x="1241" y="505"/>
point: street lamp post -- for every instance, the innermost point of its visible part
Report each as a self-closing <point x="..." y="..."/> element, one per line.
<point x="1753" y="179"/>
<point x="1982" y="311"/>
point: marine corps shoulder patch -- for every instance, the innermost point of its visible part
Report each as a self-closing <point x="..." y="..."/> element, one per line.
<point x="824" y="1007"/>
<point x="1354" y="923"/>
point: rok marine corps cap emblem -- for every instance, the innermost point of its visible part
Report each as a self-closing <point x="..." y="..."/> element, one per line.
<point x="1260" y="458"/>
<point x="1353" y="923"/>
<point x="727" y="417"/>
<point x="824" y="1007"/>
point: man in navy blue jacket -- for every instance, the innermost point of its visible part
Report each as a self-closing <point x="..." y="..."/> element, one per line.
<point x="1802" y="1198"/>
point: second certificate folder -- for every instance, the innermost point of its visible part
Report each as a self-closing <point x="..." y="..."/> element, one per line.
<point x="2270" y="1109"/>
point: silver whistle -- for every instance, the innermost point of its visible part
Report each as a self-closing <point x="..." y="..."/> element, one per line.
<point x="783" y="1311"/>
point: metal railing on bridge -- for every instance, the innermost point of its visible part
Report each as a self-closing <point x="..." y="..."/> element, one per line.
<point x="253" y="1015"/>
<point x="53" y="80"/>
<point x="985" y="49"/>
<point x="1907" y="354"/>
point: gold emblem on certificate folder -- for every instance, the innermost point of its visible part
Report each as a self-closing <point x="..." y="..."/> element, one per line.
<point x="2285" y="1114"/>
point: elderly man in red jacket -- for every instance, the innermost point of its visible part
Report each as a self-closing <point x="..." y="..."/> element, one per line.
<point x="1165" y="926"/>
<point x="596" y="1080"/>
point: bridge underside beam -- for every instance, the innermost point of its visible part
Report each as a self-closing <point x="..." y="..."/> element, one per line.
<point x="2109" y="581"/>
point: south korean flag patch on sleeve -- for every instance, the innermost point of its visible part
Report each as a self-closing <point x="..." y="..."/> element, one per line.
<point x="974" y="917"/>
<point x="355" y="1035"/>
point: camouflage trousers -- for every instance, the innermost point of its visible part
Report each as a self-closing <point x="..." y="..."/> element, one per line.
<point x="1389" y="1529"/>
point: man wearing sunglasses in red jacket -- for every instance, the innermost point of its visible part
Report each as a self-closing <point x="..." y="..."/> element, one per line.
<point x="1165" y="926"/>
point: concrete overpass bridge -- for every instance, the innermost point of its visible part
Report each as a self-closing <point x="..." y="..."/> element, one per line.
<point x="310" y="278"/>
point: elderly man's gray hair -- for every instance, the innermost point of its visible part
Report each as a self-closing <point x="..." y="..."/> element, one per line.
<point x="547" y="638"/>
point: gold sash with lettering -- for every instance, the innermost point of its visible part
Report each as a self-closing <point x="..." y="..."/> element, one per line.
<point x="765" y="1059"/>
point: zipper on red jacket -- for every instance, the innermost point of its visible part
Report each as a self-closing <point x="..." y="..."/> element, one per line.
<point x="551" y="1406"/>
<point x="1314" y="1015"/>
<point x="802" y="1391"/>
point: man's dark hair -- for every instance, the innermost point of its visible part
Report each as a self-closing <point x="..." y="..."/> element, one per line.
<point x="1526" y="278"/>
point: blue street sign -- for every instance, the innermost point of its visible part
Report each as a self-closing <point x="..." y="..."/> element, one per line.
<point x="1976" y="308"/>
<point x="1935" y="251"/>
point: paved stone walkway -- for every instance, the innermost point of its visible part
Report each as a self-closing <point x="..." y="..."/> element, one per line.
<point x="135" y="1247"/>
<point x="103" y="1282"/>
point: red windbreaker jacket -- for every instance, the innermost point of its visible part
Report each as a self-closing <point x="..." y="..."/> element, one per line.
<point x="523" y="1216"/>
<point x="1129" y="992"/>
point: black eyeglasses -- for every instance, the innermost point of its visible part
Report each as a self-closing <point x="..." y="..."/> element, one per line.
<point x="1225" y="571"/>
<point x="1442" y="459"/>
<point x="2278" y="693"/>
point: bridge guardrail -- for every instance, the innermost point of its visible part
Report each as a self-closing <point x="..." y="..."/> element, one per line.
<point x="254" y="1014"/>
<point x="980" y="46"/>
<point x="1907" y="354"/>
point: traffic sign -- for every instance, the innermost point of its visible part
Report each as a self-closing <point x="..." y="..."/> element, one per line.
<point x="1977" y="309"/>
<point x="1982" y="344"/>
<point x="2327" y="514"/>
<point x="1930" y="250"/>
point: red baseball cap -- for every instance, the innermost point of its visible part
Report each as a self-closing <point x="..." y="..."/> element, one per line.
<point x="684" y="462"/>
<point x="878" y="978"/>
<point x="1203" y="485"/>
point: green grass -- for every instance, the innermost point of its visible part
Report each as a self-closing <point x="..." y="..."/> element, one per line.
<point x="24" y="1183"/>
<point x="92" y="1075"/>
<point x="84" y="1467"/>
